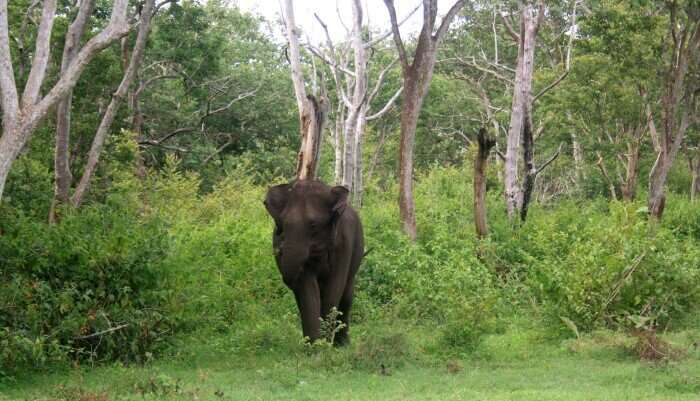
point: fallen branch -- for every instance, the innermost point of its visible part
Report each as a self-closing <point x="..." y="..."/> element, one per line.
<point x="103" y="332"/>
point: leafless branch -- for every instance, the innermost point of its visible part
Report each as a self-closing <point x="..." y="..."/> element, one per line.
<point x="387" y="106"/>
<point x="447" y="19"/>
<point x="550" y="86"/>
<point x="397" y="35"/>
<point x="103" y="332"/>
<point x="509" y="29"/>
<point x="550" y="160"/>
<point x="388" y="33"/>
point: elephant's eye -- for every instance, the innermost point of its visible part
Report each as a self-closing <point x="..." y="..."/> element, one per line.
<point x="313" y="225"/>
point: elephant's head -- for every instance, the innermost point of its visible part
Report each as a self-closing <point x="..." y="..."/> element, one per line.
<point x="306" y="214"/>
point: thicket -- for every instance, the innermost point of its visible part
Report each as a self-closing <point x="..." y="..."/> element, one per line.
<point x="156" y="257"/>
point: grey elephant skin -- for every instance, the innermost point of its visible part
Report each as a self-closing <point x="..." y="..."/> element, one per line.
<point x="318" y="245"/>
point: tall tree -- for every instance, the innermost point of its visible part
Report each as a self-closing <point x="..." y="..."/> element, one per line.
<point x="22" y="115"/>
<point x="417" y="74"/>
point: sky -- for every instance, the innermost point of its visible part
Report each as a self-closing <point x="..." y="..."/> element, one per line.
<point x="332" y="12"/>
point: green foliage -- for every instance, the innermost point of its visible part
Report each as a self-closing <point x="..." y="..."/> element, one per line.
<point x="97" y="271"/>
<point x="602" y="268"/>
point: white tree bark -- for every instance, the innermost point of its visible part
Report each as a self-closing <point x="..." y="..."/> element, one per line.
<point x="521" y="109"/>
<point x="357" y="100"/>
<point x="352" y="87"/>
<point x="20" y="122"/>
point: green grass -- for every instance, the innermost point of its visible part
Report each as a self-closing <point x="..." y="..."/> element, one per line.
<point x="518" y="365"/>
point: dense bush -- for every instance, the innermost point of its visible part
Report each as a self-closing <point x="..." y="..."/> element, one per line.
<point x="96" y="271"/>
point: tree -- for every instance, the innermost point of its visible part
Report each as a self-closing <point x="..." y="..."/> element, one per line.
<point x="22" y="115"/>
<point x="520" y="131"/>
<point x="354" y="98"/>
<point x="678" y="97"/>
<point x="62" y="172"/>
<point x="110" y="113"/>
<point x="484" y="145"/>
<point x="417" y="74"/>
<point x="312" y="110"/>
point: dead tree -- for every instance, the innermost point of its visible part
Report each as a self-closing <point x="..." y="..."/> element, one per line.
<point x="417" y="75"/>
<point x="485" y="143"/>
<point x="677" y="99"/>
<point x="354" y="98"/>
<point x="518" y="80"/>
<point x="312" y="111"/>
<point x="117" y="98"/>
<point x="22" y="115"/>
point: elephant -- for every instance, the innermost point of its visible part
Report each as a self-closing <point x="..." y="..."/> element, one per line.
<point x="318" y="245"/>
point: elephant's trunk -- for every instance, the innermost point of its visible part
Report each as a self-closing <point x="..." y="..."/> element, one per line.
<point x="292" y="261"/>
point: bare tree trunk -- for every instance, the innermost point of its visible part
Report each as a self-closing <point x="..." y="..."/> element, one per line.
<point x="521" y="108"/>
<point x="117" y="97"/>
<point x="21" y="119"/>
<point x="530" y="169"/>
<point x="312" y="112"/>
<point x="417" y="75"/>
<point x="338" y="144"/>
<point x="62" y="174"/>
<point x="357" y="174"/>
<point x="312" y="122"/>
<point x="409" y="122"/>
<point x="485" y="143"/>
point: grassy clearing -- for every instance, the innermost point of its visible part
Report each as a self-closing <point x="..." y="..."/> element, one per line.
<point x="518" y="365"/>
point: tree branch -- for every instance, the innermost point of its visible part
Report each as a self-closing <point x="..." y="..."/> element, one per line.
<point x="297" y="74"/>
<point x="41" y="55"/>
<point x="551" y="159"/>
<point x="103" y="332"/>
<point x="550" y="86"/>
<point x="397" y="35"/>
<point x="117" y="27"/>
<point x="389" y="32"/>
<point x="447" y="19"/>
<point x="328" y="61"/>
<point x="509" y="29"/>
<point x="10" y="103"/>
<point x="387" y="106"/>
<point x="380" y="80"/>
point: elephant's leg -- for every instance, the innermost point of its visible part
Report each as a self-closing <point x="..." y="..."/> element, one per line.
<point x="342" y="337"/>
<point x="331" y="292"/>
<point x="308" y="300"/>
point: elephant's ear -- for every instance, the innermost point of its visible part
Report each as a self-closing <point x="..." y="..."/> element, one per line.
<point x="340" y="201"/>
<point x="276" y="200"/>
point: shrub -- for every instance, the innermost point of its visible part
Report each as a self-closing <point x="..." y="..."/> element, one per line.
<point x="98" y="271"/>
<point x="600" y="269"/>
